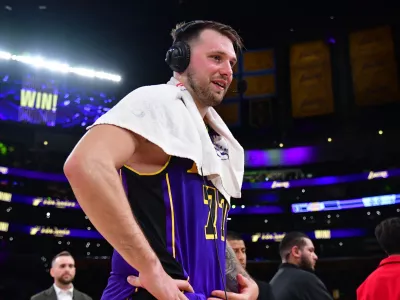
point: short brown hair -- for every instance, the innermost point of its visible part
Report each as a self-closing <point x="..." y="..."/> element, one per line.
<point x="63" y="253"/>
<point x="186" y="32"/>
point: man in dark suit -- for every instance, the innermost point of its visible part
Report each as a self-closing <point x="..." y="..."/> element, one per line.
<point x="239" y="247"/>
<point x="295" y="279"/>
<point x="63" y="271"/>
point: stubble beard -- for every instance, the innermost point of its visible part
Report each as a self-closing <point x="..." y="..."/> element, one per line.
<point x="65" y="281"/>
<point x="306" y="264"/>
<point x="203" y="94"/>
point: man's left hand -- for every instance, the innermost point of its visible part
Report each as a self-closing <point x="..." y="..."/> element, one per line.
<point x="248" y="291"/>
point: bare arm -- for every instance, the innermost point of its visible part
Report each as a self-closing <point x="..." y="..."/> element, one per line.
<point x="233" y="268"/>
<point x="91" y="170"/>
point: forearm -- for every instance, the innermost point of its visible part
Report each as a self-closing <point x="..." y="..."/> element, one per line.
<point x="100" y="193"/>
<point x="233" y="268"/>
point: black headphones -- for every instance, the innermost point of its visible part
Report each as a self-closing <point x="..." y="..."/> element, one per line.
<point x="178" y="56"/>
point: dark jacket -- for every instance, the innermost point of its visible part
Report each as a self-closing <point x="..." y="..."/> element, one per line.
<point x="264" y="291"/>
<point x="50" y="294"/>
<point x="293" y="283"/>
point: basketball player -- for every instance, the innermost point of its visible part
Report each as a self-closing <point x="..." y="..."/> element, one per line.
<point x="156" y="219"/>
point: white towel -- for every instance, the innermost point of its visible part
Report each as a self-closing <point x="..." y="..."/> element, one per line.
<point x="167" y="116"/>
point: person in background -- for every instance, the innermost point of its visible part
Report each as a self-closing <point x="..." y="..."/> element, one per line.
<point x="239" y="247"/>
<point x="295" y="279"/>
<point x="384" y="282"/>
<point x="63" y="271"/>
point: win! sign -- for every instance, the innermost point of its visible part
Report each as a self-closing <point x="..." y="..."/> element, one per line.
<point x="37" y="107"/>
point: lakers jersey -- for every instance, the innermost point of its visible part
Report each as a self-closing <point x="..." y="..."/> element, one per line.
<point x="184" y="219"/>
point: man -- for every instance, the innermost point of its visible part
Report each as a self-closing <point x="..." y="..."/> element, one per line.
<point x="63" y="271"/>
<point x="295" y="279"/>
<point x="384" y="282"/>
<point x="166" y="220"/>
<point x="238" y="246"/>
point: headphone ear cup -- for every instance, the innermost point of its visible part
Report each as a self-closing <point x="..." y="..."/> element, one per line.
<point x="178" y="57"/>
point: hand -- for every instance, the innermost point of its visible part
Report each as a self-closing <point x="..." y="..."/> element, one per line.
<point x="183" y="285"/>
<point x="161" y="285"/>
<point x="248" y="291"/>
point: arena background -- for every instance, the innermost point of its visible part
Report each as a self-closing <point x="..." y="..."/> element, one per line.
<point x="316" y="110"/>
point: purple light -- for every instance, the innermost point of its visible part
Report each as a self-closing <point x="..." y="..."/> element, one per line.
<point x="277" y="157"/>
<point x="327" y="180"/>
<point x="37" y="175"/>
<point x="67" y="102"/>
<point x="331" y="41"/>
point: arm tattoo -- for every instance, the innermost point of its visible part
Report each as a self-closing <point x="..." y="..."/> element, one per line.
<point x="232" y="269"/>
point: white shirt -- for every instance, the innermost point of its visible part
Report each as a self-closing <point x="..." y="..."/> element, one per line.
<point x="64" y="294"/>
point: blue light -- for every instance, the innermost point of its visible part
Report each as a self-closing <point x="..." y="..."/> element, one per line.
<point x="375" y="201"/>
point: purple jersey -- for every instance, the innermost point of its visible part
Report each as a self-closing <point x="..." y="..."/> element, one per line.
<point x="184" y="219"/>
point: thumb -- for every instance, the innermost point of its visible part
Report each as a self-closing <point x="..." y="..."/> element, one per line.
<point x="133" y="280"/>
<point x="242" y="281"/>
<point x="184" y="285"/>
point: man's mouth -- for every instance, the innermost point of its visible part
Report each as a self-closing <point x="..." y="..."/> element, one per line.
<point x="220" y="84"/>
